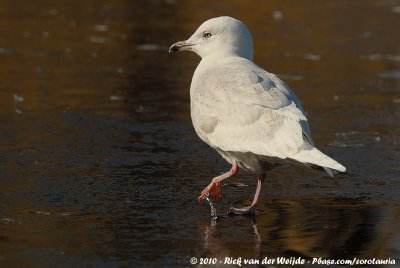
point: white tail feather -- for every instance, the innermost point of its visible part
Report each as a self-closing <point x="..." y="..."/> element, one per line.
<point x="316" y="157"/>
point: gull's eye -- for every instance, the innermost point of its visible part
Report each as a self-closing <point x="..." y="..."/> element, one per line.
<point x="207" y="35"/>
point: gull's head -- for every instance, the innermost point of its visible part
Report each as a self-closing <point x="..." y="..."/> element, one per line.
<point x="222" y="36"/>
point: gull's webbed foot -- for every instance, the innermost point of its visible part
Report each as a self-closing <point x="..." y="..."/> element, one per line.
<point x="249" y="211"/>
<point x="214" y="189"/>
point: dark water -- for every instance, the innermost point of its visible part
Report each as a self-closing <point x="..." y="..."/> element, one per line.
<point x="100" y="165"/>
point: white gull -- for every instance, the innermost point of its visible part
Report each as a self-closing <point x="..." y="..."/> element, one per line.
<point x="248" y="115"/>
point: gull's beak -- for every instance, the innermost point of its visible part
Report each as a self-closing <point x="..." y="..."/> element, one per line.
<point x="181" y="46"/>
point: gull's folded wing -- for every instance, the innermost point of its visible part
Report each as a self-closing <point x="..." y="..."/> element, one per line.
<point x="243" y="108"/>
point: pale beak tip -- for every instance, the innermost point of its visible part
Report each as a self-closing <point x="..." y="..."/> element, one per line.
<point x="174" y="48"/>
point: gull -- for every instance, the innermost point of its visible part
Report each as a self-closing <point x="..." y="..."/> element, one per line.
<point x="248" y="115"/>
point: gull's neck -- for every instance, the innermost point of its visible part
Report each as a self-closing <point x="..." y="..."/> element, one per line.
<point x="228" y="53"/>
<point x="218" y="58"/>
<point x="212" y="60"/>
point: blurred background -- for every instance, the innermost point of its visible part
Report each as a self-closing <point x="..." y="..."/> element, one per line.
<point x="100" y="165"/>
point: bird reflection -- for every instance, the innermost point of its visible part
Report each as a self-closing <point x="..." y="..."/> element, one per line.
<point x="316" y="227"/>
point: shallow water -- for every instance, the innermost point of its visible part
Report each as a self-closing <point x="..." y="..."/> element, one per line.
<point x="100" y="165"/>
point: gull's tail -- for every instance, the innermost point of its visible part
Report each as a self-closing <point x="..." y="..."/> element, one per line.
<point x="316" y="157"/>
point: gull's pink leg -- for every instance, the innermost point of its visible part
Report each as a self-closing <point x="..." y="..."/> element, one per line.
<point x="250" y="210"/>
<point x="214" y="188"/>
